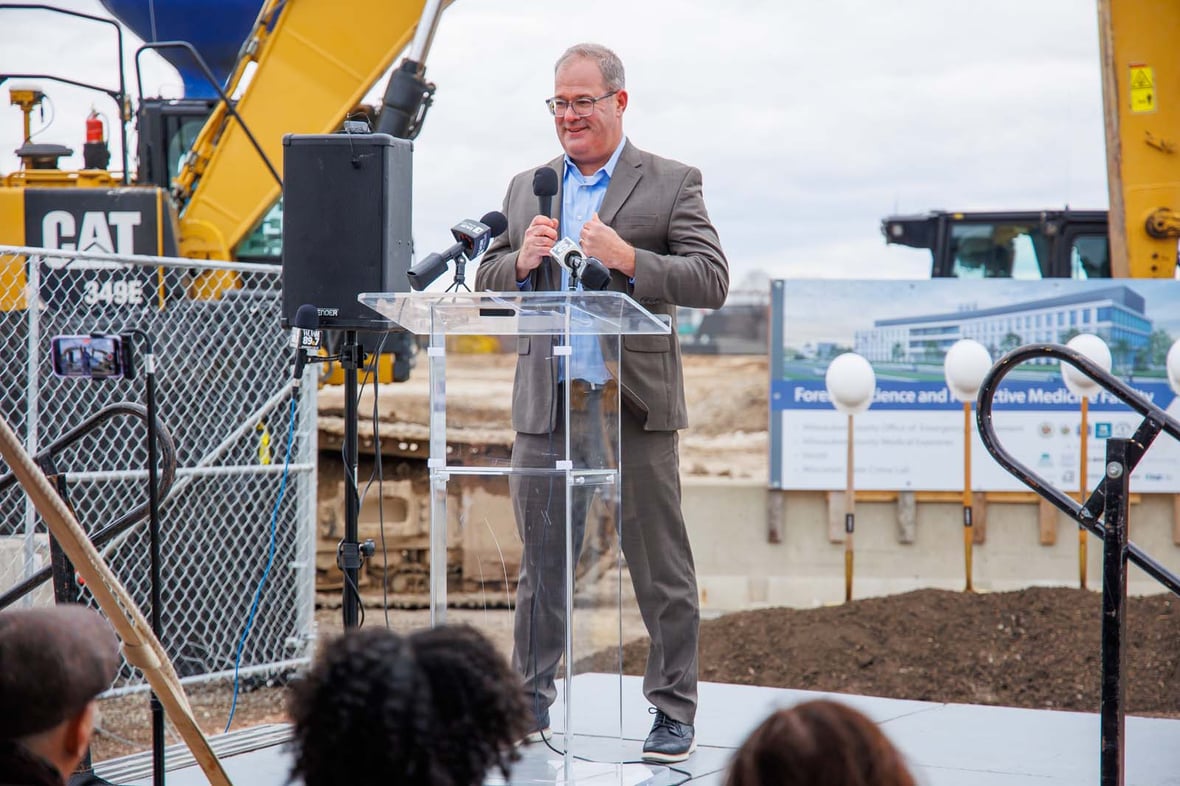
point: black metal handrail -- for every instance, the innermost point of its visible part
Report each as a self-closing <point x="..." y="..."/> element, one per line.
<point x="1109" y="500"/>
<point x="168" y="464"/>
<point x="1086" y="514"/>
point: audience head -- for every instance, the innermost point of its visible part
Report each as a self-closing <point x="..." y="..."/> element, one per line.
<point x="439" y="707"/>
<point x="818" y="742"/>
<point x="54" y="662"/>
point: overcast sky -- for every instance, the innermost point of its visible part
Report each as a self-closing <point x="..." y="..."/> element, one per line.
<point x="810" y="121"/>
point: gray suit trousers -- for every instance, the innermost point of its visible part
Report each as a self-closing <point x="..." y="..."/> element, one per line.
<point x="654" y="543"/>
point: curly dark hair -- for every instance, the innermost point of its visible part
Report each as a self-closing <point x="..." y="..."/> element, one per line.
<point x="439" y="707"/>
<point x="818" y="741"/>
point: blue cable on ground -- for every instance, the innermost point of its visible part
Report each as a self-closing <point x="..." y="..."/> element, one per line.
<point x="274" y="517"/>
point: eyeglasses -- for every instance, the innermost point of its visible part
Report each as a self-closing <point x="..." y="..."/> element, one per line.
<point x="583" y="107"/>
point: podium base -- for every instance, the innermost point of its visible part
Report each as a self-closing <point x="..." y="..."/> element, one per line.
<point x="599" y="761"/>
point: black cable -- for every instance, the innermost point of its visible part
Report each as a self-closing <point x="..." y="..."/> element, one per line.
<point x="377" y="473"/>
<point x="688" y="775"/>
<point x="352" y="493"/>
<point x="360" y="623"/>
<point x="351" y="488"/>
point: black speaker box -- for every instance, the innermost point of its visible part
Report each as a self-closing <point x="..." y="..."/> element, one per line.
<point x="346" y="225"/>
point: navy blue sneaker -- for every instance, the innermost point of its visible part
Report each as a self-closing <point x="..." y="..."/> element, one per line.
<point x="669" y="740"/>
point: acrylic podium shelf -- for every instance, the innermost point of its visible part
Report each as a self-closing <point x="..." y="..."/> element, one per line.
<point x="536" y="321"/>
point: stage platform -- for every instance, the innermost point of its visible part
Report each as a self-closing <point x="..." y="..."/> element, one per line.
<point x="945" y="744"/>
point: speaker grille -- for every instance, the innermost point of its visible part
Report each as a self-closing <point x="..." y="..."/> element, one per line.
<point x="346" y="225"/>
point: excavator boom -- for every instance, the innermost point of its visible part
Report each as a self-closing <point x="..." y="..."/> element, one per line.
<point x="1141" y="100"/>
<point x="315" y="60"/>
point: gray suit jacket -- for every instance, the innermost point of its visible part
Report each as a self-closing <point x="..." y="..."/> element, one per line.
<point x="656" y="205"/>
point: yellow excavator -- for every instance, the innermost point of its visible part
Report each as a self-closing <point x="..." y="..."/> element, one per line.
<point x="209" y="172"/>
<point x="1138" y="237"/>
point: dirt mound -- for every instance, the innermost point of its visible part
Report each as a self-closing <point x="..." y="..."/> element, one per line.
<point x="1037" y="648"/>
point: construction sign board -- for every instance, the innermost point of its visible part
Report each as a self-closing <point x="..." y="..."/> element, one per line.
<point x="912" y="436"/>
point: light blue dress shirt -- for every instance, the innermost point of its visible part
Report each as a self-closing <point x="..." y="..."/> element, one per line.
<point x="581" y="197"/>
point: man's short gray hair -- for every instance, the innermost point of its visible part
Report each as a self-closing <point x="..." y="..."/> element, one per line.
<point x="609" y="64"/>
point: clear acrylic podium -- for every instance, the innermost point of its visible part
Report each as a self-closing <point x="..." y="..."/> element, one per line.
<point x="565" y="510"/>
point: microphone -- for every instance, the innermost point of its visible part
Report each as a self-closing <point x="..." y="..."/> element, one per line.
<point x="471" y="240"/>
<point x="588" y="270"/>
<point x="305" y="336"/>
<point x="545" y="188"/>
<point x="476" y="235"/>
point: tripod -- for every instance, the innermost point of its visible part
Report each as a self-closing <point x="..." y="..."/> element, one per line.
<point x="459" y="282"/>
<point x="156" y="618"/>
<point x="87" y="776"/>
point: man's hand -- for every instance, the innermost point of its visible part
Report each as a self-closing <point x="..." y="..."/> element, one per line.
<point x="538" y="239"/>
<point x="600" y="241"/>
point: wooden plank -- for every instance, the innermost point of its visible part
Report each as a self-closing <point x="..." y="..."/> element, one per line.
<point x="1048" y="522"/>
<point x="979" y="518"/>
<point x="141" y="648"/>
<point x="939" y="496"/>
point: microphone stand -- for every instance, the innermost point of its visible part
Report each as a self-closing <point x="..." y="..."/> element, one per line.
<point x="350" y="554"/>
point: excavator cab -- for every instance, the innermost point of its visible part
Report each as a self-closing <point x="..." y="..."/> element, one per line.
<point x="167" y="129"/>
<point x="1024" y="245"/>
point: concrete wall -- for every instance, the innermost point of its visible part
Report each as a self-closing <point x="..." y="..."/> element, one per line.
<point x="737" y="568"/>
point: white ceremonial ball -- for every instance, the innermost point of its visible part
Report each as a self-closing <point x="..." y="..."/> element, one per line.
<point x="1093" y="349"/>
<point x="1174" y="368"/>
<point x="967" y="363"/>
<point x="850" y="381"/>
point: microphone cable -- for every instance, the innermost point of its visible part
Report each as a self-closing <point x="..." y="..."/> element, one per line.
<point x="378" y="473"/>
<point x="270" y="558"/>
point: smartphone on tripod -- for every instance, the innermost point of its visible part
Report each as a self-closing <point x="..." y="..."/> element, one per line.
<point x="91" y="356"/>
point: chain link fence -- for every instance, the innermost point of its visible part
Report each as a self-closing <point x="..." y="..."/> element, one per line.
<point x="223" y="391"/>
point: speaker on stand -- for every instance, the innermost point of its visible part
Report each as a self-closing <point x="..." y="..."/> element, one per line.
<point x="346" y="225"/>
<point x="346" y="230"/>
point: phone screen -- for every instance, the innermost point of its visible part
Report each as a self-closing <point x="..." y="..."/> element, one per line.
<point x="95" y="356"/>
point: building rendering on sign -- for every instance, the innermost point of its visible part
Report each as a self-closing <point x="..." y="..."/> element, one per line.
<point x="1115" y="314"/>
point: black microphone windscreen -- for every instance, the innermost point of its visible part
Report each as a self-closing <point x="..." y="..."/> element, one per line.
<point x="426" y="271"/>
<point x="307" y="317"/>
<point x="496" y="222"/>
<point x="544" y="182"/>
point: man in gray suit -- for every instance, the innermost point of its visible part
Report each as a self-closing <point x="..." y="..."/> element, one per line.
<point x="644" y="217"/>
